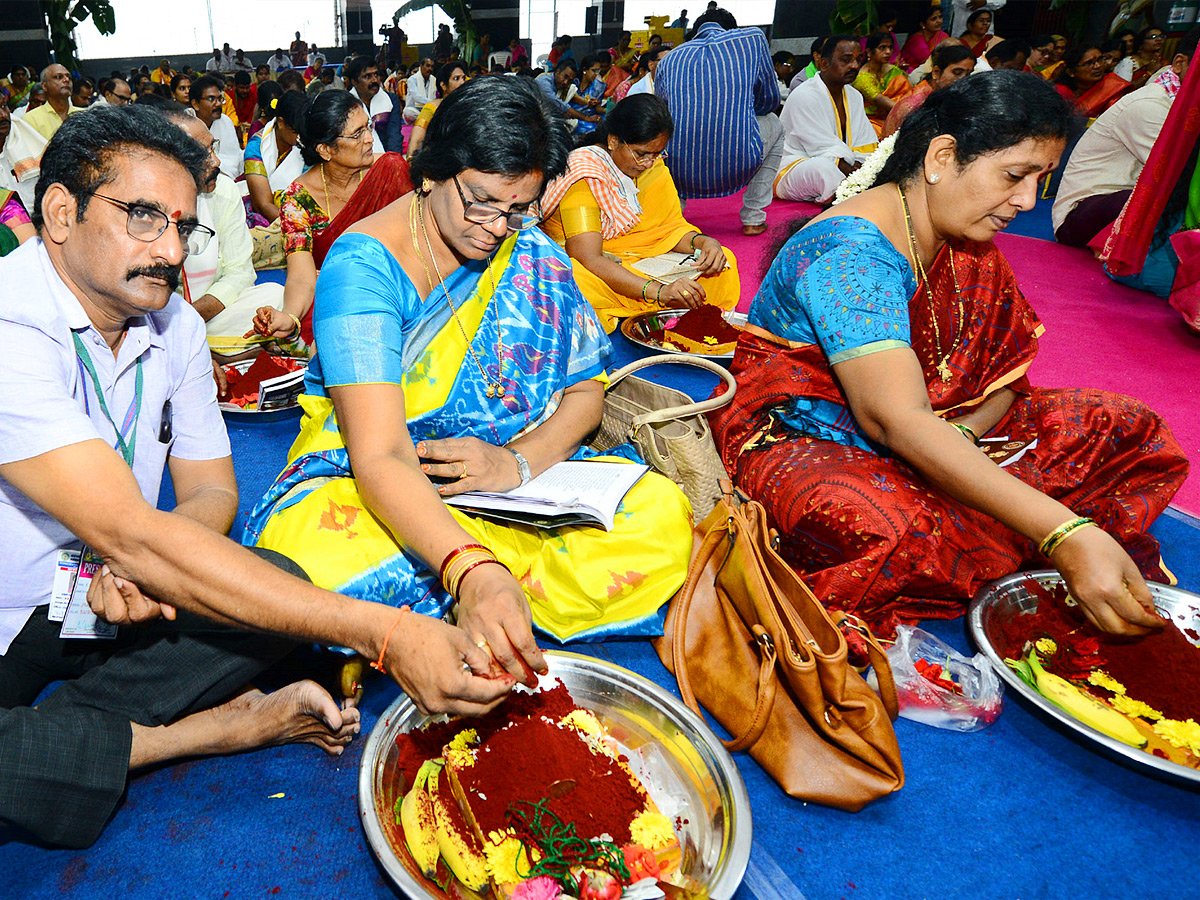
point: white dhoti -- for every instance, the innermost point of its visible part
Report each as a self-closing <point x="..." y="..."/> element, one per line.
<point x="226" y="328"/>
<point x="813" y="179"/>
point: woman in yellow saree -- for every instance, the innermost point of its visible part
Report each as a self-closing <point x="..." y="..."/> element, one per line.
<point x="617" y="204"/>
<point x="881" y="83"/>
<point x="455" y="353"/>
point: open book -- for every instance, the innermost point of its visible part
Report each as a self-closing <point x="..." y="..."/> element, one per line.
<point x="667" y="267"/>
<point x="568" y="493"/>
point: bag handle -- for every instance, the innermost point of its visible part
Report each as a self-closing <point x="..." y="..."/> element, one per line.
<point x="879" y="662"/>
<point x="767" y="683"/>
<point x="688" y="409"/>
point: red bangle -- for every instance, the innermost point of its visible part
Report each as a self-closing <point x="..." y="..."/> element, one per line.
<point x="450" y="557"/>
<point x="479" y="562"/>
<point x="378" y="664"/>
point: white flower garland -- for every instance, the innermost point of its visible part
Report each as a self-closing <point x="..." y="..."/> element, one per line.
<point x="865" y="177"/>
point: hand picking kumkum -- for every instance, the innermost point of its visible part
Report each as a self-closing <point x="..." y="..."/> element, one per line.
<point x="1144" y="692"/>
<point x="533" y="801"/>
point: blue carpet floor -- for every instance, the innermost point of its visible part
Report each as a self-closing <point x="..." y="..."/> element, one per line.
<point x="1020" y="810"/>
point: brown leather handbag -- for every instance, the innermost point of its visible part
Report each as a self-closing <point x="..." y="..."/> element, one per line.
<point x="746" y="638"/>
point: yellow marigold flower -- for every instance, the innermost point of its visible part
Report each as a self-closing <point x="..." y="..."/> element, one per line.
<point x="459" y="751"/>
<point x="584" y="722"/>
<point x="1100" y="678"/>
<point x="1046" y="645"/>
<point x="652" y="830"/>
<point x="1185" y="735"/>
<point x="1131" y="707"/>
<point x="507" y="861"/>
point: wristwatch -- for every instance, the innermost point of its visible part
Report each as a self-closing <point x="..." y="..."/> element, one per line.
<point x="522" y="467"/>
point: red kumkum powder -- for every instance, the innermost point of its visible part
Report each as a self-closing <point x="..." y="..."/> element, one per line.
<point x="415" y="747"/>
<point x="524" y="761"/>
<point x="1161" y="669"/>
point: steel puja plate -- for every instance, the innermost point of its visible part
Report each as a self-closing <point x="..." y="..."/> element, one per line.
<point x="1003" y="600"/>
<point x="692" y="767"/>
<point x="638" y="328"/>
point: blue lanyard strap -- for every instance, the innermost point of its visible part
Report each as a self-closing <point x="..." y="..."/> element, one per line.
<point x="127" y="432"/>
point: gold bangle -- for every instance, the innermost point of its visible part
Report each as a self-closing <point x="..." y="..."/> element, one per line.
<point x="295" y="319"/>
<point x="1051" y="542"/>
<point x="968" y="431"/>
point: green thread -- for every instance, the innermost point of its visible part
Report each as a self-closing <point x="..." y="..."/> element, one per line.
<point x="560" y="846"/>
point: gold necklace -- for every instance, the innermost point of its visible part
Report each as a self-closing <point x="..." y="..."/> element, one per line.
<point x="941" y="359"/>
<point x="494" y="388"/>
<point x="328" y="211"/>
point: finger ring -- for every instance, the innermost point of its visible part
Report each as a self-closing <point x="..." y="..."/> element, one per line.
<point x="464" y="471"/>
<point x="687" y="293"/>
<point x="482" y="643"/>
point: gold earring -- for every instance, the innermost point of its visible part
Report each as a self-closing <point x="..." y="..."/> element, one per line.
<point x="426" y="186"/>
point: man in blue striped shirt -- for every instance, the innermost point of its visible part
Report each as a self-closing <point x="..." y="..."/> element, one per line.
<point x="722" y="91"/>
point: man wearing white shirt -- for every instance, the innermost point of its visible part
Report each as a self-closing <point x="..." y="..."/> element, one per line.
<point x="362" y="74"/>
<point x="208" y="99"/>
<point x="242" y="63"/>
<point x="279" y="61"/>
<point x="646" y="85"/>
<point x="216" y="63"/>
<point x="422" y="88"/>
<point x="827" y="134"/>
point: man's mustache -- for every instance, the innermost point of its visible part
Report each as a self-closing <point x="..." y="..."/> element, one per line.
<point x="169" y="274"/>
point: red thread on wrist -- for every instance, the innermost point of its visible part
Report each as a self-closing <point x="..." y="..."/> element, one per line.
<point x="378" y="664"/>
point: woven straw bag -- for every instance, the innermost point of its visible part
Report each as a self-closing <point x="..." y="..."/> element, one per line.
<point x="668" y="428"/>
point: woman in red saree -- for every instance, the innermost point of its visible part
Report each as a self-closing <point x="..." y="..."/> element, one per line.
<point x="889" y="335"/>
<point x="345" y="182"/>
<point x="1083" y="82"/>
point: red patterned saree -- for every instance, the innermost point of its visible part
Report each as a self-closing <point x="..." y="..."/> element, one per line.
<point x="866" y="531"/>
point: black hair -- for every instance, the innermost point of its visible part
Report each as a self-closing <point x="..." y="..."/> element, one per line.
<point x="563" y="64"/>
<point x="268" y="91"/>
<point x="985" y="113"/>
<point x="291" y="109"/>
<point x="1007" y="51"/>
<point x="494" y="124"/>
<point x="588" y="61"/>
<point x="80" y="155"/>
<point x="1041" y="40"/>
<point x="944" y="57"/>
<point x="446" y="72"/>
<point x="160" y="103"/>
<point x="241" y="78"/>
<point x="643" y="61"/>
<point x="178" y="78"/>
<point x="830" y="43"/>
<point x="354" y="68"/>
<point x="635" y="120"/>
<point x="201" y="84"/>
<point x="291" y="80"/>
<point x="260" y="67"/>
<point x="1187" y="44"/>
<point x="722" y="17"/>
<point x="1071" y="61"/>
<point x="887" y="14"/>
<point x="1143" y="35"/>
<point x="104" y="86"/>
<point x="1113" y="44"/>
<point x="875" y="38"/>
<point x="782" y="56"/>
<point x="924" y="15"/>
<point x="975" y="15"/>
<point x="324" y="121"/>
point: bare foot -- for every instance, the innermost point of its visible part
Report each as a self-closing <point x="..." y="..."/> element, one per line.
<point x="754" y="230"/>
<point x="302" y="712"/>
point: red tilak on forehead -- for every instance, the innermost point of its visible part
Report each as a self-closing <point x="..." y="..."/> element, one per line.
<point x="177" y="214"/>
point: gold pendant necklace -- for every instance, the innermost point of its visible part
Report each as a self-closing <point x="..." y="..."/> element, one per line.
<point x="494" y="388"/>
<point x="941" y="360"/>
<point x="325" y="186"/>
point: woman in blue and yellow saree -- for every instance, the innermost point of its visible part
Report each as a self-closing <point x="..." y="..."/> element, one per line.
<point x="456" y="353"/>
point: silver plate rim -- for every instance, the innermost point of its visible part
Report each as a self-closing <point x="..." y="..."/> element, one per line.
<point x="741" y="821"/>
<point x="738" y="320"/>
<point x="990" y="593"/>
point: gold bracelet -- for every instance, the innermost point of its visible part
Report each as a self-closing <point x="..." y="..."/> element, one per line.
<point x="295" y="330"/>
<point x="1051" y="542"/>
<point x="968" y="431"/>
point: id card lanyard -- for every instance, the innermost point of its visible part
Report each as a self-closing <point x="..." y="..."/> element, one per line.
<point x="127" y="431"/>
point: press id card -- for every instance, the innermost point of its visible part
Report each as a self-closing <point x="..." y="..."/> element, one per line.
<point x="78" y="620"/>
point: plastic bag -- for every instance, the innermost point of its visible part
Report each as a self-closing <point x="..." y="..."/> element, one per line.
<point x="939" y="686"/>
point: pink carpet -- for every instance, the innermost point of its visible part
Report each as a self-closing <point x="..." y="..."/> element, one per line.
<point x="1098" y="333"/>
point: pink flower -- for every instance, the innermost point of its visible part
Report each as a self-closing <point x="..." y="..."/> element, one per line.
<point x="597" y="885"/>
<point x="541" y="888"/>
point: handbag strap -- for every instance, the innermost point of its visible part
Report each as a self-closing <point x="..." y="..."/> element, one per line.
<point x="879" y="661"/>
<point x="688" y="409"/>
<point x="767" y="683"/>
